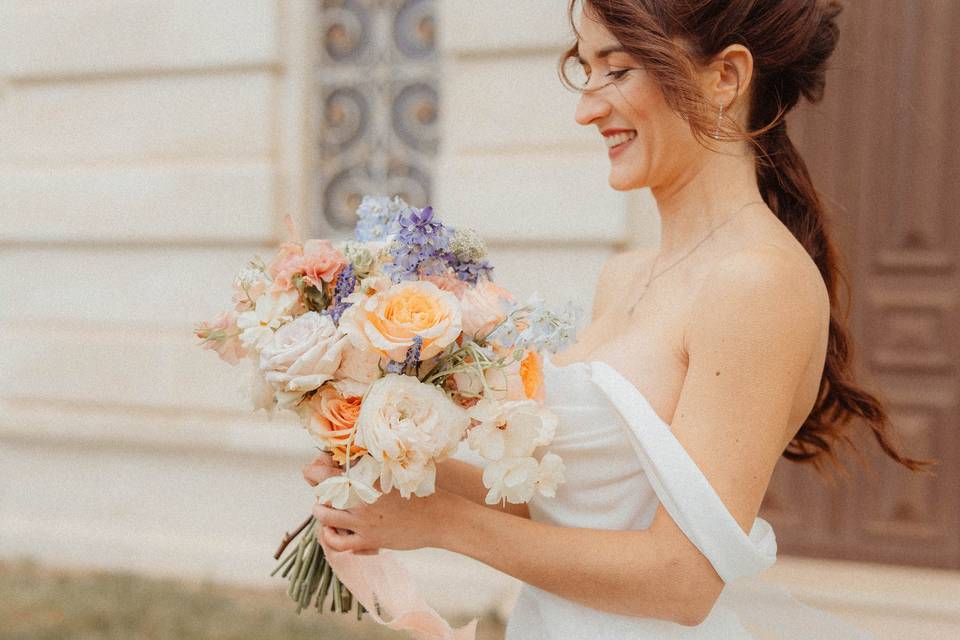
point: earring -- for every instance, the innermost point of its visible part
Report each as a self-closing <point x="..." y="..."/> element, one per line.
<point x="716" y="134"/>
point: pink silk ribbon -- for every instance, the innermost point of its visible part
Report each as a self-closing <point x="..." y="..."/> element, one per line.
<point x="381" y="579"/>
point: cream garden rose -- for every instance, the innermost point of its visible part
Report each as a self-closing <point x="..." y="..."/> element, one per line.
<point x="407" y="426"/>
<point x="389" y="320"/>
<point x="304" y="354"/>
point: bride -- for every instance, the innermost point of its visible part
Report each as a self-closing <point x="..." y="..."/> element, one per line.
<point x="705" y="361"/>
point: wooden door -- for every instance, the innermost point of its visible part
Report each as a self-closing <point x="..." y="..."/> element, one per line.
<point x="883" y="148"/>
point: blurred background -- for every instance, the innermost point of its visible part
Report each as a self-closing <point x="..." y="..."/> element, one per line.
<point x="148" y="148"/>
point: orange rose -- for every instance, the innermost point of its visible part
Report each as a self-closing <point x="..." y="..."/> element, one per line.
<point x="388" y="321"/>
<point x="531" y="373"/>
<point x="333" y="422"/>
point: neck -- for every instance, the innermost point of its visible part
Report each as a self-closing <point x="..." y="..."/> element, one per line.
<point x="702" y="197"/>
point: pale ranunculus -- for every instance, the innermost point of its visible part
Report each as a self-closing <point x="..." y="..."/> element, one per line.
<point x="272" y="310"/>
<point x="510" y="429"/>
<point x="388" y="321"/>
<point x="407" y="426"/>
<point x="483" y="307"/>
<point x="304" y="354"/>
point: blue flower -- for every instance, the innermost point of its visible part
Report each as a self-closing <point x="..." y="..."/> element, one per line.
<point x="379" y="217"/>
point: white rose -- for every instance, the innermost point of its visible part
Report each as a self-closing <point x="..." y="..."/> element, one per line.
<point x="357" y="364"/>
<point x="407" y="425"/>
<point x="303" y="355"/>
<point x="510" y="430"/>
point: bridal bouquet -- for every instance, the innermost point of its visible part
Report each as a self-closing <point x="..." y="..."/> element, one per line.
<point x="392" y="348"/>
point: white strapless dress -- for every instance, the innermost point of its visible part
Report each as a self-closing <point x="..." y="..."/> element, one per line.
<point x="621" y="462"/>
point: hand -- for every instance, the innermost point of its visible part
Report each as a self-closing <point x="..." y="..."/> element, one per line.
<point x="320" y="469"/>
<point x="392" y="522"/>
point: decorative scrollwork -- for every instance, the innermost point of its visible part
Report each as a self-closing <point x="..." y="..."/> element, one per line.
<point x="377" y="90"/>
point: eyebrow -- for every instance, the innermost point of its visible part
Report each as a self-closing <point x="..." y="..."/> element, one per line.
<point x="603" y="53"/>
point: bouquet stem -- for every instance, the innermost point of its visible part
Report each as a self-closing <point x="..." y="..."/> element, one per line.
<point x="311" y="578"/>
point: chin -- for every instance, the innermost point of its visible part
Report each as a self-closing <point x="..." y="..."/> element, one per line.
<point x="620" y="182"/>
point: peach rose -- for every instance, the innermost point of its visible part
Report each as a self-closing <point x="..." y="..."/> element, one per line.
<point x="321" y="262"/>
<point x="333" y="421"/>
<point x="388" y="321"/>
<point x="484" y="306"/>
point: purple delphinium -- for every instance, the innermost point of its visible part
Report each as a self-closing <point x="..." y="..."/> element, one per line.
<point x="469" y="270"/>
<point x="346" y="283"/>
<point x="420" y="247"/>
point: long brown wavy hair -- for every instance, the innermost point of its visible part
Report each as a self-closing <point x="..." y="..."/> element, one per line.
<point x="790" y="41"/>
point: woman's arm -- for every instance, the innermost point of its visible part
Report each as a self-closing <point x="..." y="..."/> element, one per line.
<point x="645" y="573"/>
<point x="466" y="480"/>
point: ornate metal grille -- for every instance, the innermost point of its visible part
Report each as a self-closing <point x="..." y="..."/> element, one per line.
<point x="377" y="81"/>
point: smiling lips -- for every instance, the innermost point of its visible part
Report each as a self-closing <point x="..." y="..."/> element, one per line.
<point x="615" y="137"/>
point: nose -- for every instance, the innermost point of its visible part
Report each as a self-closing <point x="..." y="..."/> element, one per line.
<point x="591" y="107"/>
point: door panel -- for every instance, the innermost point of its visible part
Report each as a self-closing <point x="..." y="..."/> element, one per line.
<point x="882" y="150"/>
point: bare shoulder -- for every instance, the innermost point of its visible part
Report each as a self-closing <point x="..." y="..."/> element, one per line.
<point x="765" y="288"/>
<point x="618" y="271"/>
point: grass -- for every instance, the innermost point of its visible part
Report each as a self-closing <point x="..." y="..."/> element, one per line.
<point x="39" y="603"/>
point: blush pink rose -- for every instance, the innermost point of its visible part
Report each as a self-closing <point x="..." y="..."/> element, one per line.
<point x="454" y="285"/>
<point x="285" y="265"/>
<point x="483" y="307"/>
<point x="321" y="262"/>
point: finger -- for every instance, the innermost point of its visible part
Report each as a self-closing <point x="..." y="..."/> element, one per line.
<point x="325" y="458"/>
<point x="331" y="517"/>
<point x="315" y="474"/>
<point x="343" y="542"/>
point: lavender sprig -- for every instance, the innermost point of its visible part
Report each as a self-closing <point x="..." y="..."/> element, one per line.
<point x="346" y="283"/>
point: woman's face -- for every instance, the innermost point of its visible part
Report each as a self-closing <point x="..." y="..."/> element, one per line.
<point x="645" y="138"/>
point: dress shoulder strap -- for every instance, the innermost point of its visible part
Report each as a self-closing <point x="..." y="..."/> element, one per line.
<point x="684" y="491"/>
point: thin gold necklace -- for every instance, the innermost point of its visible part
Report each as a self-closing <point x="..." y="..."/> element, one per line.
<point x="653" y="268"/>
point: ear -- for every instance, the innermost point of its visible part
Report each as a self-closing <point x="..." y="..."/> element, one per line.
<point x="727" y="77"/>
